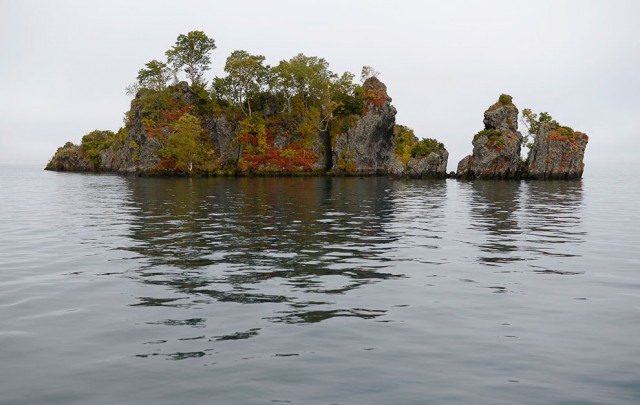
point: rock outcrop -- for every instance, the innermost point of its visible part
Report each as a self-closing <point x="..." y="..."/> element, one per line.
<point x="417" y="158"/>
<point x="496" y="149"/>
<point x="363" y="143"/>
<point x="433" y="166"/>
<point x="367" y="147"/>
<point x="557" y="153"/>
<point x="69" y="158"/>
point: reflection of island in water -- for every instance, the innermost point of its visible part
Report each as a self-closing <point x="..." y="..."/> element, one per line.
<point x="522" y="221"/>
<point x="553" y="224"/>
<point x="292" y="241"/>
<point x="493" y="209"/>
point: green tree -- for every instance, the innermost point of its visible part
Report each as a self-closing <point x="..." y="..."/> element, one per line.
<point x="191" y="52"/>
<point x="305" y="77"/>
<point x="425" y="147"/>
<point x="405" y="139"/>
<point x="533" y="123"/>
<point x="247" y="76"/>
<point x="154" y="76"/>
<point x="183" y="144"/>
<point x="94" y="142"/>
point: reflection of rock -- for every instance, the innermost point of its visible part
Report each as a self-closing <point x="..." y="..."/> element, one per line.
<point x="496" y="149"/>
<point x="494" y="206"/>
<point x="320" y="315"/>
<point x="527" y="221"/>
<point x="557" y="154"/>
<point x="219" y="239"/>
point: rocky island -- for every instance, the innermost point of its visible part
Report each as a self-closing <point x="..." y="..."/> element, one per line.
<point x="297" y="118"/>
<point x="557" y="152"/>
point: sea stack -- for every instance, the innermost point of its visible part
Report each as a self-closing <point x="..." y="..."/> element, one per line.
<point x="496" y="149"/>
<point x="557" y="153"/>
<point x="366" y="148"/>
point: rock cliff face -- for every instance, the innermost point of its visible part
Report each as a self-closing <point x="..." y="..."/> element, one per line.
<point x="364" y="147"/>
<point x="496" y="149"/>
<point x="137" y="152"/>
<point x="433" y="166"/>
<point x="557" y="153"/>
<point x="363" y="141"/>
<point x="69" y="158"/>
<point x="367" y="147"/>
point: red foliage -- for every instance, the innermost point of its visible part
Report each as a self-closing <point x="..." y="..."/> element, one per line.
<point x="295" y="158"/>
<point x="376" y="97"/>
<point x="264" y="156"/>
<point x="164" y="126"/>
<point x="169" y="165"/>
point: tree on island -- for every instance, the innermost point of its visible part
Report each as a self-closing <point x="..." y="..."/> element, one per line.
<point x="182" y="145"/>
<point x="191" y="52"/>
<point x="247" y="77"/>
<point x="154" y="76"/>
<point x="533" y="123"/>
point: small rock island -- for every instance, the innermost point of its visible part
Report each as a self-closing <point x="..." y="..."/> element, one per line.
<point x="557" y="152"/>
<point x="298" y="118"/>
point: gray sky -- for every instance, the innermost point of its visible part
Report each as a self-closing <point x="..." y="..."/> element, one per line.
<point x="64" y="64"/>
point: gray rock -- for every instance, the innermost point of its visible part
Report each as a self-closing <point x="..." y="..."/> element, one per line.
<point x="432" y="166"/>
<point x="223" y="133"/>
<point x="368" y="147"/>
<point x="69" y="158"/>
<point x="503" y="117"/>
<point x="557" y="154"/>
<point x="463" y="170"/>
<point x="496" y="149"/>
<point x="396" y="167"/>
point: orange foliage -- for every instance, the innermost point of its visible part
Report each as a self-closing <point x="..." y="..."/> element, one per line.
<point x="164" y="127"/>
<point x="376" y="97"/>
<point x="261" y="154"/>
<point x="564" y="134"/>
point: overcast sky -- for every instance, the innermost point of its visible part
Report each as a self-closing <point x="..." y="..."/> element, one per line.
<point x="64" y="65"/>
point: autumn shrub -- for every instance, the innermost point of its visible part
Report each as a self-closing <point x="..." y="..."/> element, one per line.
<point x="405" y="139"/>
<point x="505" y="99"/>
<point x="425" y="147"/>
<point x="94" y="142"/>
<point x="488" y="133"/>
<point x="495" y="139"/>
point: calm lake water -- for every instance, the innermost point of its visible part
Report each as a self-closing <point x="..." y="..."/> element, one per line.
<point x="119" y="290"/>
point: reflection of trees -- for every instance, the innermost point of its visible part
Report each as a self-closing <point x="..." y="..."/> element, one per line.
<point x="263" y="240"/>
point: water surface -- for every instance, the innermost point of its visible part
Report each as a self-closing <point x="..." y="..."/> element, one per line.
<point x="317" y="290"/>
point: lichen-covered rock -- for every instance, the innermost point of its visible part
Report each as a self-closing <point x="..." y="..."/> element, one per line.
<point x="464" y="167"/>
<point x="69" y="158"/>
<point x="433" y="166"/>
<point x="223" y="134"/>
<point x="396" y="167"/>
<point x="496" y="149"/>
<point x="367" y="147"/>
<point x="132" y="150"/>
<point x="557" y="153"/>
